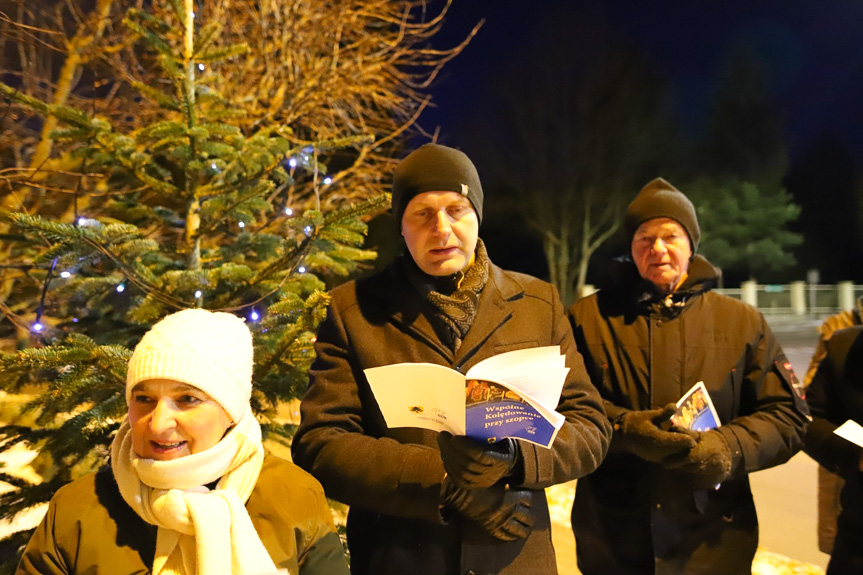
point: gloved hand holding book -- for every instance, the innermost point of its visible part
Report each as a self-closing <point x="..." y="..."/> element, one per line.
<point x="476" y="465"/>
<point x="642" y="433"/>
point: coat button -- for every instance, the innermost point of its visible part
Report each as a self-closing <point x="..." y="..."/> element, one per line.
<point x="658" y="506"/>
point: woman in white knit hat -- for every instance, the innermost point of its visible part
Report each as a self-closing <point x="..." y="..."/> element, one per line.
<point x="190" y="489"/>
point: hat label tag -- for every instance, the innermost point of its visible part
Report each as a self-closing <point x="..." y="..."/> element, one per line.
<point x="464" y="189"/>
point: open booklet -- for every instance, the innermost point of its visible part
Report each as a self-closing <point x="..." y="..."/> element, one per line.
<point x="513" y="394"/>
<point x="695" y="410"/>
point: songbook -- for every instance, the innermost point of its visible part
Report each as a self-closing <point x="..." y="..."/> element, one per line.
<point x="695" y="410"/>
<point x="513" y="394"/>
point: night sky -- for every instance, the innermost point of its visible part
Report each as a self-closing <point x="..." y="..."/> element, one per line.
<point x="812" y="52"/>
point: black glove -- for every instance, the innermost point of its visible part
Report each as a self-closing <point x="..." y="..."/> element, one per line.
<point x="505" y="513"/>
<point x="474" y="465"/>
<point x="708" y="463"/>
<point x="639" y="432"/>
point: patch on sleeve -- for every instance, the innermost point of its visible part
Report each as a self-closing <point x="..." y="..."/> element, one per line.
<point x="787" y="372"/>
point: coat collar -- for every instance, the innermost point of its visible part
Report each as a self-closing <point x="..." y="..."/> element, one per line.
<point x="404" y="307"/>
<point x="625" y="286"/>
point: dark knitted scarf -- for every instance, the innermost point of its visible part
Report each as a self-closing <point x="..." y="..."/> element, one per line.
<point x="454" y="298"/>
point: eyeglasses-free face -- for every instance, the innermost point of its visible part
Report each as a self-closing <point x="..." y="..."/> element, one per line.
<point x="661" y="252"/>
<point x="170" y="419"/>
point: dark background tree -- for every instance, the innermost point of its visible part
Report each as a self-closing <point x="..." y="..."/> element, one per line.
<point x="182" y="175"/>
<point x="744" y="209"/>
<point x="580" y="122"/>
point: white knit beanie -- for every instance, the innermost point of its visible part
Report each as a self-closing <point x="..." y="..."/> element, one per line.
<point x="208" y="350"/>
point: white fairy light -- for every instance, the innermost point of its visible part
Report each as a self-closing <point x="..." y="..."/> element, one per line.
<point x="289" y="211"/>
<point x="65" y="273"/>
<point x="121" y="288"/>
<point x="198" y="294"/>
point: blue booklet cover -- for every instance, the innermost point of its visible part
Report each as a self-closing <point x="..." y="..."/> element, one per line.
<point x="494" y="412"/>
<point x="695" y="410"/>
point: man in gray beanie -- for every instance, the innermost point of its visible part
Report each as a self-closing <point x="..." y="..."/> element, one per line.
<point x="670" y="499"/>
<point x="423" y="502"/>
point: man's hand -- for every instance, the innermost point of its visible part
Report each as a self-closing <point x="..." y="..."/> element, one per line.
<point x="639" y="432"/>
<point x="504" y="513"/>
<point x="709" y="462"/>
<point x="475" y="465"/>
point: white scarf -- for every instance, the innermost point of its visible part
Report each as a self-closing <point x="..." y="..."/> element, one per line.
<point x="200" y="531"/>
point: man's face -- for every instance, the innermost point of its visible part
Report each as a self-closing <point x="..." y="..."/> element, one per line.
<point x="661" y="251"/>
<point x="440" y="230"/>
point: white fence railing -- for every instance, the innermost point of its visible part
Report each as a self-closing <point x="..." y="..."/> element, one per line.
<point x="797" y="298"/>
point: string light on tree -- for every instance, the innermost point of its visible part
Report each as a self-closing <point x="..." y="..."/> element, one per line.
<point x="307" y="230"/>
<point x="201" y="67"/>
<point x="327" y="181"/>
<point x="121" y="288"/>
<point x="292" y="162"/>
<point x="198" y="294"/>
<point x="254" y="316"/>
<point x="65" y="274"/>
<point x="37" y="327"/>
<point x="301" y="269"/>
<point x="289" y="211"/>
<point x="242" y="224"/>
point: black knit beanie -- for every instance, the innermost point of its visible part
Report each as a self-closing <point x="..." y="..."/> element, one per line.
<point x="659" y="199"/>
<point x="435" y="168"/>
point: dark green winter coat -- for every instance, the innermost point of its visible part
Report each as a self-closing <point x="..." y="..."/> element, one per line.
<point x="391" y="478"/>
<point x="89" y="528"/>
<point x="644" y="351"/>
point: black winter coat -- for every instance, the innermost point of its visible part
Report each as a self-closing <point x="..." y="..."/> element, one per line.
<point x="392" y="478"/>
<point x="643" y="351"/>
<point x="835" y="396"/>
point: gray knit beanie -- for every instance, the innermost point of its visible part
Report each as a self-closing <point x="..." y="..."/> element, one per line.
<point x="435" y="168"/>
<point x="659" y="199"/>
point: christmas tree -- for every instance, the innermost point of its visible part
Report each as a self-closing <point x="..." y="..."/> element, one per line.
<point x="228" y="160"/>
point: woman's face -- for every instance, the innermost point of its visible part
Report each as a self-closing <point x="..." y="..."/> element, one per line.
<point x="170" y="419"/>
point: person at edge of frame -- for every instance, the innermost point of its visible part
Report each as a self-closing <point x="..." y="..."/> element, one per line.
<point x="829" y="484"/>
<point x="667" y="499"/>
<point x="423" y="502"/>
<point x="835" y="396"/>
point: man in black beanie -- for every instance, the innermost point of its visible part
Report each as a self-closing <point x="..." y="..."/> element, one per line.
<point x="669" y="499"/>
<point x="423" y="502"/>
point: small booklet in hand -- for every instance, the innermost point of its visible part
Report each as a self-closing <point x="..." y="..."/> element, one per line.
<point x="513" y="394"/>
<point x="851" y="431"/>
<point x="695" y="410"/>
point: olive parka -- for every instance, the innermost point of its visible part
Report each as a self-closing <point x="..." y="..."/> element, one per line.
<point x="644" y="351"/>
<point x="89" y="528"/>
<point x="392" y="478"/>
<point x="835" y="395"/>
